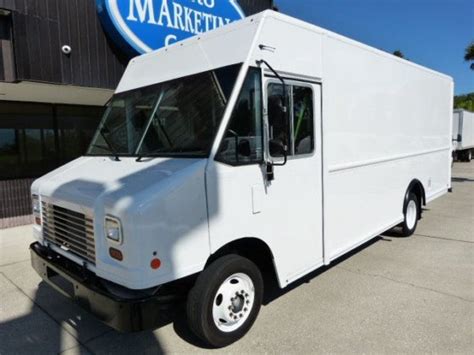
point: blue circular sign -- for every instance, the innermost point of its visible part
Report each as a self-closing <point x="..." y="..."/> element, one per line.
<point x="146" y="25"/>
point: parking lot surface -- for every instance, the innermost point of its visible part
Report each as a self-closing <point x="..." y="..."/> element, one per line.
<point x="393" y="294"/>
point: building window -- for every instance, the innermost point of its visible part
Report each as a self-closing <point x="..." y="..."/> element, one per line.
<point x="7" y="66"/>
<point x="37" y="138"/>
<point x="75" y="128"/>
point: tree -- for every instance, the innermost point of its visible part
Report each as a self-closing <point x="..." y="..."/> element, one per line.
<point x="398" y="53"/>
<point x="469" y="54"/>
<point x="465" y="101"/>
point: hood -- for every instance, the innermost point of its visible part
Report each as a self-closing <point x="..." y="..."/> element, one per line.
<point x="87" y="180"/>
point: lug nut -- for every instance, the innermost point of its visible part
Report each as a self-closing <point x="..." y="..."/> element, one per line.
<point x="245" y="309"/>
<point x="235" y="317"/>
<point x="241" y="315"/>
<point x="246" y="295"/>
<point x="230" y="308"/>
<point x="230" y="315"/>
<point x="247" y="301"/>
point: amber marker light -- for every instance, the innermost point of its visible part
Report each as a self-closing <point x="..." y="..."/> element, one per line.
<point x="116" y="254"/>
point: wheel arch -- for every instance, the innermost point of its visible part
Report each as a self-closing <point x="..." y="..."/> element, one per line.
<point x="418" y="189"/>
<point x="254" y="249"/>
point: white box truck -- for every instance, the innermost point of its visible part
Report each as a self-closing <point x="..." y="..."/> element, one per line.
<point x="268" y="144"/>
<point x="463" y="135"/>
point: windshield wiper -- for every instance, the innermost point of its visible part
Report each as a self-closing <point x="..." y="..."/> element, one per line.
<point x="165" y="152"/>
<point x="155" y="110"/>
<point x="102" y="132"/>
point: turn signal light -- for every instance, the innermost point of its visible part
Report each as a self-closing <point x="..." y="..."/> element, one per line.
<point x="116" y="254"/>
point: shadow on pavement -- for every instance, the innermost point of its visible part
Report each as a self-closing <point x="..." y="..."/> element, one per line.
<point x="459" y="179"/>
<point x="32" y="334"/>
<point x="273" y="291"/>
<point x="54" y="324"/>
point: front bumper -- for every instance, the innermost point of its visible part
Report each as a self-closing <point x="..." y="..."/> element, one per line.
<point x="84" y="287"/>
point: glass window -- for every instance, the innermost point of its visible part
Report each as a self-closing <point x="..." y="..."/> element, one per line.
<point x="23" y="145"/>
<point x="178" y="118"/>
<point x="243" y="140"/>
<point x="37" y="138"/>
<point x="7" y="67"/>
<point x="295" y="129"/>
<point x="277" y="117"/>
<point x="303" y="120"/>
<point x="75" y="128"/>
<point x="9" y="152"/>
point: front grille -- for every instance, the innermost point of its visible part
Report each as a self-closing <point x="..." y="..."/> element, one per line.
<point x="69" y="230"/>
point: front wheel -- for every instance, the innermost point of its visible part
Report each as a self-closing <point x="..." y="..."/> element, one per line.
<point x="225" y="301"/>
<point x="411" y="215"/>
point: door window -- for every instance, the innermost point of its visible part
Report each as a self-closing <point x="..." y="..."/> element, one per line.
<point x="294" y="129"/>
<point x="277" y="117"/>
<point x="303" y="120"/>
<point x="243" y="140"/>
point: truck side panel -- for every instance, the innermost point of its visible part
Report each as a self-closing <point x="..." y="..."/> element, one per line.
<point x="467" y="134"/>
<point x="385" y="123"/>
<point x="456" y="126"/>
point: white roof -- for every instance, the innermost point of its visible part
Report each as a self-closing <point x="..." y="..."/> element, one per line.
<point x="236" y="43"/>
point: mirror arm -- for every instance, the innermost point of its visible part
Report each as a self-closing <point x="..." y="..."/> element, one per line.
<point x="270" y="172"/>
<point x="285" y="159"/>
<point x="285" y="96"/>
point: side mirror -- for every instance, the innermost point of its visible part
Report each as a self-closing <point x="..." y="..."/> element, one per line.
<point x="244" y="148"/>
<point x="278" y="149"/>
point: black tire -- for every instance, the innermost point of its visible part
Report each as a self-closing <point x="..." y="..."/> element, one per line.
<point x="201" y="299"/>
<point x="465" y="155"/>
<point x="408" y="226"/>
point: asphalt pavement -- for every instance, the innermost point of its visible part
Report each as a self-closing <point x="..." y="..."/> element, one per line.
<point x="392" y="295"/>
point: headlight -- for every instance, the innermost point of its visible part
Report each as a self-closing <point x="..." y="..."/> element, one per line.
<point x="36" y="209"/>
<point x="113" y="229"/>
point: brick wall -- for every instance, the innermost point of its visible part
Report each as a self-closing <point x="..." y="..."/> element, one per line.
<point x="15" y="203"/>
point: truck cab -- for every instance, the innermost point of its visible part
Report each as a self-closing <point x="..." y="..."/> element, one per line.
<point x="185" y="164"/>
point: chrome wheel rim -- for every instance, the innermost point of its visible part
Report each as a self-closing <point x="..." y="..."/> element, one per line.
<point x="233" y="302"/>
<point x="411" y="214"/>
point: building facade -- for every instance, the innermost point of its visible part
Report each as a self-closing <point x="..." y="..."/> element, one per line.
<point x="59" y="64"/>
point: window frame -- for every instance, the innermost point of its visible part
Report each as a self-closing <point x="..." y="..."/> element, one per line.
<point x="262" y="124"/>
<point x="291" y="83"/>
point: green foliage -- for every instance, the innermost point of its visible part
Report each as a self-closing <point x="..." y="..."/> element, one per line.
<point x="398" y="53"/>
<point x="465" y="102"/>
<point x="469" y="54"/>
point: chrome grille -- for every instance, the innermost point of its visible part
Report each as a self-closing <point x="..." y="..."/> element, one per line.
<point x="70" y="230"/>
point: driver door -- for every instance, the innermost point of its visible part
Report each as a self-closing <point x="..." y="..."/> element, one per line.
<point x="244" y="201"/>
<point x="294" y="197"/>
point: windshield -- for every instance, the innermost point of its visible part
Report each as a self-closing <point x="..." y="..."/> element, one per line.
<point x="176" y="118"/>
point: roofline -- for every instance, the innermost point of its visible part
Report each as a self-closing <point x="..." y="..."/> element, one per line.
<point x="302" y="24"/>
<point x="323" y="31"/>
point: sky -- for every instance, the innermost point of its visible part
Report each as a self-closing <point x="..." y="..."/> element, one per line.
<point x="433" y="33"/>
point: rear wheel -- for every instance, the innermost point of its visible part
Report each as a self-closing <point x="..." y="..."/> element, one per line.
<point x="225" y="301"/>
<point x="411" y="212"/>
